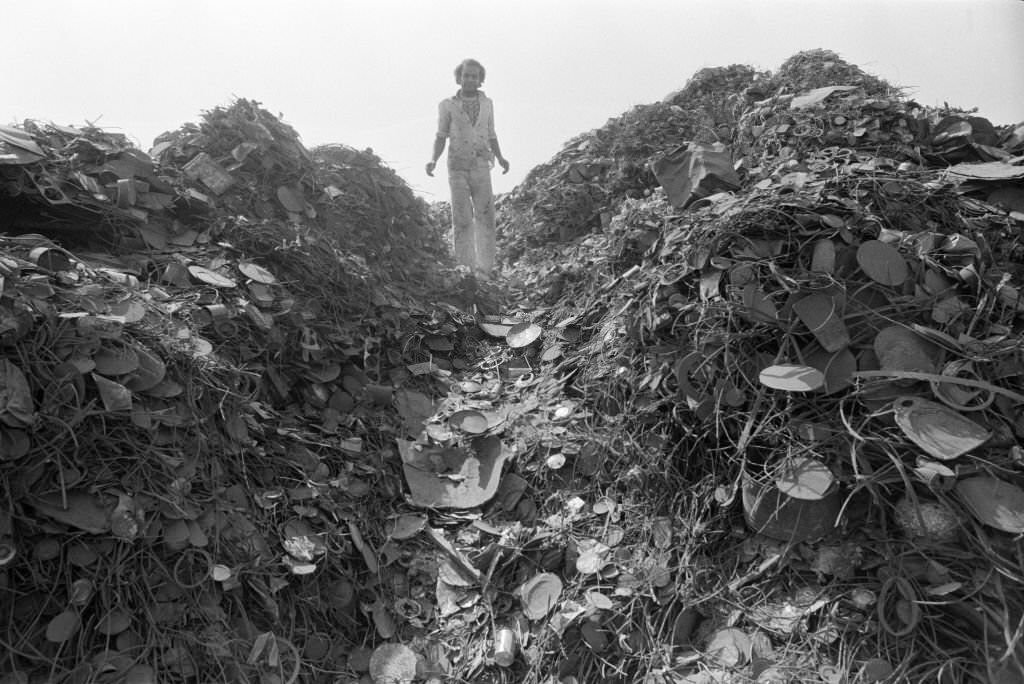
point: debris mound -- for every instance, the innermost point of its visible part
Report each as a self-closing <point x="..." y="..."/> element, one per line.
<point x="751" y="410"/>
<point x="797" y="351"/>
<point x="576" y="192"/>
<point x="199" y="348"/>
<point x="271" y="176"/>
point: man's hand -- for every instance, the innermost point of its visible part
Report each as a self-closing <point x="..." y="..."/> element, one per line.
<point x="504" y="165"/>
<point x="430" y="168"/>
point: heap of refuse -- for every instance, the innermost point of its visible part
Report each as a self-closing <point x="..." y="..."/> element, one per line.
<point x="752" y="410"/>
<point x="199" y="345"/>
<point x="810" y="323"/>
<point x="579" y="188"/>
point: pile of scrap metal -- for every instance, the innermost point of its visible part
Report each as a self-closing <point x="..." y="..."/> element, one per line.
<point x="58" y="178"/>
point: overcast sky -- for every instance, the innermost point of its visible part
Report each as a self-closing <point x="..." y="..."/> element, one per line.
<point x="370" y="73"/>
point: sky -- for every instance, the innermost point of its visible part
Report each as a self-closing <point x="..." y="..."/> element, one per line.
<point x="370" y="73"/>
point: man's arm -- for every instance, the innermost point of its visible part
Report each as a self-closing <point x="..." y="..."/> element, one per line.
<point x="443" y="127"/>
<point x="439" y="142"/>
<point x="496" y="149"/>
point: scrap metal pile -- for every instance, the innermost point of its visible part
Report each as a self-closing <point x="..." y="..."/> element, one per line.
<point x="812" y="325"/>
<point x="753" y="411"/>
<point x="195" y="347"/>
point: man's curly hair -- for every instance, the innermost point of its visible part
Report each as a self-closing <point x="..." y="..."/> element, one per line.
<point x="469" y="62"/>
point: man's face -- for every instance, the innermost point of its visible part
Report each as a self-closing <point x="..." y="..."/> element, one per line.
<point x="470" y="80"/>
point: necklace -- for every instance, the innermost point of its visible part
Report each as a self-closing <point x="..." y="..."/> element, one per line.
<point x="471" y="105"/>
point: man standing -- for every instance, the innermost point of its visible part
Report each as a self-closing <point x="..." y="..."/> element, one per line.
<point x="467" y="120"/>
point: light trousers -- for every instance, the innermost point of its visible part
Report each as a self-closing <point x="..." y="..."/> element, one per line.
<point x="473" y="216"/>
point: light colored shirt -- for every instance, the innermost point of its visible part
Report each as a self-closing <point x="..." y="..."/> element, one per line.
<point x="468" y="141"/>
